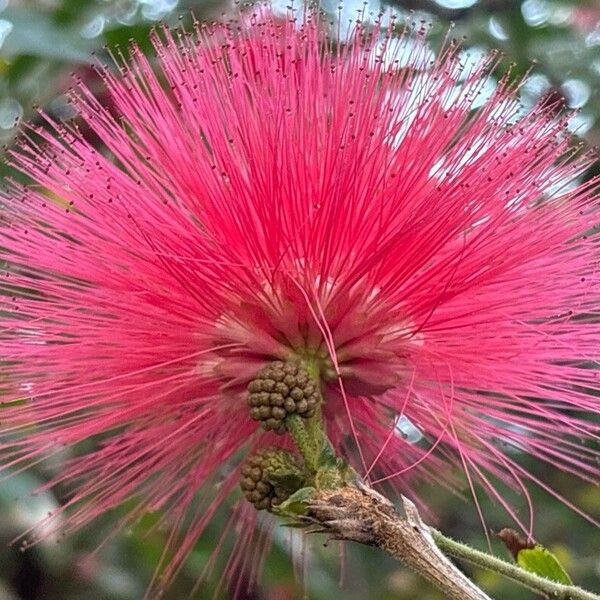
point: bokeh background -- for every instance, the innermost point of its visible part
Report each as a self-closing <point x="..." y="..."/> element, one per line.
<point x="43" y="44"/>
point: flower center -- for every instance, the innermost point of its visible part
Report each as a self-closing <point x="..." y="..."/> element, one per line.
<point x="371" y="342"/>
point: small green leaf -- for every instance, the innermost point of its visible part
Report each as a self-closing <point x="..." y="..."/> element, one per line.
<point x="297" y="503"/>
<point x="542" y="562"/>
<point x="302" y="495"/>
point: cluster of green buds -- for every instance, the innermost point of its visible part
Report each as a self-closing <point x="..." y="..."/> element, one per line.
<point x="270" y="476"/>
<point x="283" y="396"/>
<point x="280" y="390"/>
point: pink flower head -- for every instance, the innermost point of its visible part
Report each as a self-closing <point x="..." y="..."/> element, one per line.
<point x="270" y="194"/>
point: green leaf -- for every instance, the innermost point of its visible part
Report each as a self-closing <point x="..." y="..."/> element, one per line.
<point x="297" y="503"/>
<point x="542" y="562"/>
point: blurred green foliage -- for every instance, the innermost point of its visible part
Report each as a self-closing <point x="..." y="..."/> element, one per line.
<point x="42" y="42"/>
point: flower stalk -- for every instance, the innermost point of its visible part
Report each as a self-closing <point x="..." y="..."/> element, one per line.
<point x="304" y="442"/>
<point x="541" y="585"/>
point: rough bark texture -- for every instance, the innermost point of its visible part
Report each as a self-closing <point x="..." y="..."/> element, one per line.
<point x="360" y="514"/>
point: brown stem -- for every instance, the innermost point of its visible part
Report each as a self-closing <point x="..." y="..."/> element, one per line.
<point x="360" y="514"/>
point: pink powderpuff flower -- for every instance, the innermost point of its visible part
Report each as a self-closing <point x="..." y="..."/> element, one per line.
<point x="270" y="194"/>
